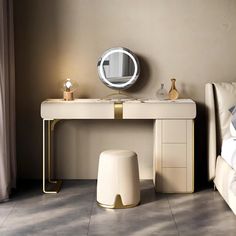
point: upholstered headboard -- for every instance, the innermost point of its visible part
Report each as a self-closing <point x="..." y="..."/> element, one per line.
<point x="211" y="125"/>
<point x="219" y="97"/>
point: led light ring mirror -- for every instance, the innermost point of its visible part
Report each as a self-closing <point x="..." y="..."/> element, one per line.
<point x="106" y="81"/>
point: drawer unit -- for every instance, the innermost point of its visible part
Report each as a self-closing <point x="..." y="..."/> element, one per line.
<point x="174" y="131"/>
<point x="173" y="156"/>
<point x="174" y="180"/>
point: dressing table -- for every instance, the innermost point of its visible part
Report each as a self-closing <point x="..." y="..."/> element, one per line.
<point x="173" y="139"/>
<point x="173" y="129"/>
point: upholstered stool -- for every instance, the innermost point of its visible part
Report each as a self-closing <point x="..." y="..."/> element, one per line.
<point x="118" y="179"/>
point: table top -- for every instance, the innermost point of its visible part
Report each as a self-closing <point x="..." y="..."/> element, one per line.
<point x="106" y="109"/>
<point x="98" y="100"/>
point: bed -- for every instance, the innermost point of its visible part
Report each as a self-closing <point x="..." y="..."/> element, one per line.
<point x="219" y="97"/>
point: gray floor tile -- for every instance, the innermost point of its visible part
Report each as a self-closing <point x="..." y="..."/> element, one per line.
<point x="114" y="223"/>
<point x="66" y="213"/>
<point x="203" y="196"/>
<point x="203" y="213"/>
<point x="8" y="204"/>
<point x="47" y="221"/>
<point x="206" y="233"/>
<point x="151" y="217"/>
<point x="72" y="195"/>
<point x="134" y="222"/>
<point x="74" y="212"/>
<point x="82" y="185"/>
<point x="4" y="212"/>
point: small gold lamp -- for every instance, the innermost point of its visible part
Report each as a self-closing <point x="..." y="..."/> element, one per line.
<point x="69" y="86"/>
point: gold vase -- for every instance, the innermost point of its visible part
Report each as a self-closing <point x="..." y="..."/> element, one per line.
<point x="173" y="93"/>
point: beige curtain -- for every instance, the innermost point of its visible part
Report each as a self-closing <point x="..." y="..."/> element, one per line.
<point x="7" y="101"/>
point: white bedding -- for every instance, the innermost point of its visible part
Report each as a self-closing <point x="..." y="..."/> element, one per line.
<point x="228" y="152"/>
<point x="233" y="185"/>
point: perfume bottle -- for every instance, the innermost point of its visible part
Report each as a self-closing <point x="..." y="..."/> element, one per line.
<point x="173" y="93"/>
<point x="161" y="93"/>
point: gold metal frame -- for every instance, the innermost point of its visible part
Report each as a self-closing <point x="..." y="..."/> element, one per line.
<point x="48" y="129"/>
<point x="119" y="95"/>
<point x="118" y="110"/>
<point x="193" y="158"/>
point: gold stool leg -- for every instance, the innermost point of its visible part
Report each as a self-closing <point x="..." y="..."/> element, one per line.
<point x="55" y="185"/>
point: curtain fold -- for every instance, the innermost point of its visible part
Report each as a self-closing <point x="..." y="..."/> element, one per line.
<point x="7" y="101"/>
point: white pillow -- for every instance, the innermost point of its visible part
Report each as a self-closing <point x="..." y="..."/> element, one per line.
<point x="232" y="125"/>
<point x="226" y="98"/>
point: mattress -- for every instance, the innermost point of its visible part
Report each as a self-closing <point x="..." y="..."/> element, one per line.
<point x="228" y="152"/>
<point x="225" y="181"/>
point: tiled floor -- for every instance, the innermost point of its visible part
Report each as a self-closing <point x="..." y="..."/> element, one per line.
<point x="74" y="212"/>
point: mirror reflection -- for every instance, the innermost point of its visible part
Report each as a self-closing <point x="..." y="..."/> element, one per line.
<point x="118" y="68"/>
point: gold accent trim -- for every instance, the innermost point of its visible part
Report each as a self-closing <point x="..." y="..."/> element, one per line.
<point x="118" y="110"/>
<point x="193" y="150"/>
<point x="54" y="122"/>
<point x="49" y="151"/>
<point x="118" y="204"/>
<point x="53" y="184"/>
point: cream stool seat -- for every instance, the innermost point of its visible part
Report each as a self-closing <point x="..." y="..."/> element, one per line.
<point x="118" y="179"/>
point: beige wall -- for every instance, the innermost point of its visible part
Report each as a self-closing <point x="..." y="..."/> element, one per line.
<point x="191" y="40"/>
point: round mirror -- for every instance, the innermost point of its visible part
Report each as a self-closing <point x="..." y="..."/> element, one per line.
<point x="118" y="68"/>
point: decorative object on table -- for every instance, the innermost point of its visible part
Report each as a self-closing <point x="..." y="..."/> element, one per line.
<point x="173" y="93"/>
<point x="161" y="93"/>
<point x="118" y="68"/>
<point x="69" y="86"/>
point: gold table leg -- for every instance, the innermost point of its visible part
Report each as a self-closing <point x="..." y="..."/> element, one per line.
<point x="53" y="186"/>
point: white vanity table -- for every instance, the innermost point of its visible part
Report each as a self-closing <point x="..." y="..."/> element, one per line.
<point x="173" y="156"/>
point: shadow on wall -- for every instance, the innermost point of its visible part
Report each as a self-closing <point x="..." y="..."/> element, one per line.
<point x="200" y="152"/>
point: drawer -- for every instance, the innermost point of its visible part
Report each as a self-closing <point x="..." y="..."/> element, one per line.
<point x="174" y="155"/>
<point x="174" y="131"/>
<point x="174" y="180"/>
